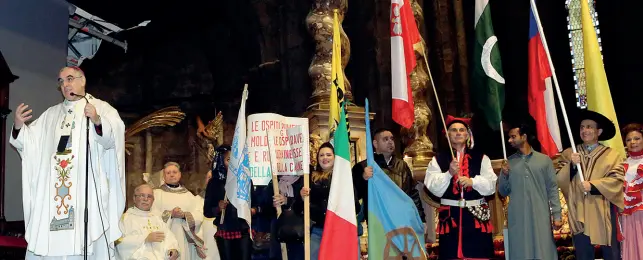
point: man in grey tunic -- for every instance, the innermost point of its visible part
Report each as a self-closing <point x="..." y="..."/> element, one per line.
<point x="529" y="179"/>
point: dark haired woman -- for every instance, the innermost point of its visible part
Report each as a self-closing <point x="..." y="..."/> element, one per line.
<point x="320" y="180"/>
<point x="632" y="218"/>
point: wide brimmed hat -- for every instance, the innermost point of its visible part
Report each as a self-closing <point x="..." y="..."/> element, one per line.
<point x="609" y="130"/>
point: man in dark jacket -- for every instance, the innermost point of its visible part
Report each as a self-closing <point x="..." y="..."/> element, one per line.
<point x="395" y="168"/>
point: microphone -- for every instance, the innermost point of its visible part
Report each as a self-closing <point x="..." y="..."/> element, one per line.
<point x="76" y="95"/>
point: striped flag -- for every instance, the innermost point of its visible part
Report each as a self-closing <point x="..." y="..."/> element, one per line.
<point x="404" y="34"/>
<point x="339" y="240"/>
<point x="542" y="106"/>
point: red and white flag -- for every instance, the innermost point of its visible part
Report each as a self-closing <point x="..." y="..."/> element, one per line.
<point x="404" y="34"/>
<point x="542" y="106"/>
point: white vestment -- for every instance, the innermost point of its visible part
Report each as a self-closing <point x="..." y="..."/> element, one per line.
<point x="53" y="184"/>
<point x="136" y="225"/>
<point x="206" y="232"/>
<point x="165" y="200"/>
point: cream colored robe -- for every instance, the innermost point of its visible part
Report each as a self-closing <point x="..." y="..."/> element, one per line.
<point x="136" y="225"/>
<point x="166" y="199"/>
<point x="590" y="214"/>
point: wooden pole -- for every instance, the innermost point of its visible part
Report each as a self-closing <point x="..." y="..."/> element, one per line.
<point x="555" y="79"/>
<point x="275" y="189"/>
<point x="307" y="219"/>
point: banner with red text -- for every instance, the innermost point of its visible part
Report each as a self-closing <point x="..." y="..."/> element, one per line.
<point x="288" y="139"/>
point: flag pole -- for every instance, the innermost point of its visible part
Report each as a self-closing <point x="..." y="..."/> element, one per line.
<point x="502" y="137"/>
<point x="437" y="101"/>
<point x="275" y="189"/>
<point x="553" y="74"/>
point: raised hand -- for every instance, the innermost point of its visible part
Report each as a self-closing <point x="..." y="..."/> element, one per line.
<point x="505" y="167"/>
<point x="368" y="173"/>
<point x="454" y="168"/>
<point x="278" y="200"/>
<point x="575" y="158"/>
<point x="157" y="236"/>
<point x="90" y="111"/>
<point x="21" y="116"/>
<point x="305" y="192"/>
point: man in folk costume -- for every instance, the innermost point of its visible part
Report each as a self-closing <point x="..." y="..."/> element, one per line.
<point x="53" y="151"/>
<point x="529" y="179"/>
<point x="465" y="230"/>
<point x="145" y="235"/>
<point x="592" y="216"/>
<point x="182" y="211"/>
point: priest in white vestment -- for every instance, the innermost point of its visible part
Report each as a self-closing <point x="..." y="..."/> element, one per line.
<point x="53" y="152"/>
<point x="145" y="235"/>
<point x="182" y="211"/>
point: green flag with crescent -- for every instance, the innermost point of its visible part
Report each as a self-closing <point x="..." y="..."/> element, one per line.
<point x="487" y="81"/>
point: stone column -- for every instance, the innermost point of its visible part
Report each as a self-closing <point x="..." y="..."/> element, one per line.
<point x="320" y="26"/>
<point x="419" y="146"/>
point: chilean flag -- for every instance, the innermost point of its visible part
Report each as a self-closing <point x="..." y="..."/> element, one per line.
<point x="542" y="106"/>
<point x="404" y="34"/>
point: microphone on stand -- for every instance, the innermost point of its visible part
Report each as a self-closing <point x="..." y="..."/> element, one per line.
<point x="86" y="220"/>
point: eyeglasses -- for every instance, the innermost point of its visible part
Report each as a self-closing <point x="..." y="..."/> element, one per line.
<point x="144" y="196"/>
<point x="68" y="79"/>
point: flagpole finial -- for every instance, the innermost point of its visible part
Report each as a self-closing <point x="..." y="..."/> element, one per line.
<point x="335" y="11"/>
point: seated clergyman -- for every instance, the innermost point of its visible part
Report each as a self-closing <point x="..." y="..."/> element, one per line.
<point x="145" y="235"/>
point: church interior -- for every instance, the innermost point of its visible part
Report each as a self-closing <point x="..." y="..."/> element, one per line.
<point x="175" y="72"/>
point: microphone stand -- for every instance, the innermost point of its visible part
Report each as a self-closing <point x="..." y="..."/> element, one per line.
<point x="86" y="220"/>
<point x="86" y="185"/>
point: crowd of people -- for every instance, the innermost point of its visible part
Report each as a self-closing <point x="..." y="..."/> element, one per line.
<point x="602" y="190"/>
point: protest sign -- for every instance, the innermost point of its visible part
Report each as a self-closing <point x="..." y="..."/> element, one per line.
<point x="290" y="142"/>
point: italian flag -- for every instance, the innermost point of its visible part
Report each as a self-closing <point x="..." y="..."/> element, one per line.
<point x="339" y="240"/>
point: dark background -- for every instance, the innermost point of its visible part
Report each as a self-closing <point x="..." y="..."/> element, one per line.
<point x="212" y="45"/>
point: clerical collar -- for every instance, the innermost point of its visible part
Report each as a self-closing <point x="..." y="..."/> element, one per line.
<point x="591" y="147"/>
<point x="173" y="188"/>
<point x="69" y="103"/>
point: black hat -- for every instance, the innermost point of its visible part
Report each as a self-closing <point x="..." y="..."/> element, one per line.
<point x="609" y="130"/>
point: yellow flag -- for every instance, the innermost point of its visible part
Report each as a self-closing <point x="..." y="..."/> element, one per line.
<point x="337" y="89"/>
<point x="599" y="98"/>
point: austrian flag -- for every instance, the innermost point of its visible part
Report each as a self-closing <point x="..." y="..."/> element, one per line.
<point x="404" y="34"/>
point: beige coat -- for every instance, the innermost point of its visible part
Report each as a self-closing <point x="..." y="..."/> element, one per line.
<point x="590" y="214"/>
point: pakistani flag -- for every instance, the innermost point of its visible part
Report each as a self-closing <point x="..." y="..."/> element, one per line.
<point x="488" y="82"/>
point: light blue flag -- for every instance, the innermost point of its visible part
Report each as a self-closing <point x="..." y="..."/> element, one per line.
<point x="394" y="224"/>
<point x="238" y="183"/>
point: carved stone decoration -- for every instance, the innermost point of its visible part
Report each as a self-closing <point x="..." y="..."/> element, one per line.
<point x="320" y="26"/>
<point x="210" y="135"/>
<point x="419" y="146"/>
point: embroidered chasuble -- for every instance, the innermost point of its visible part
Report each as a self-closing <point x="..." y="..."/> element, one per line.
<point x="136" y="225"/>
<point x="53" y="152"/>
<point x="590" y="214"/>
<point x="184" y="229"/>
